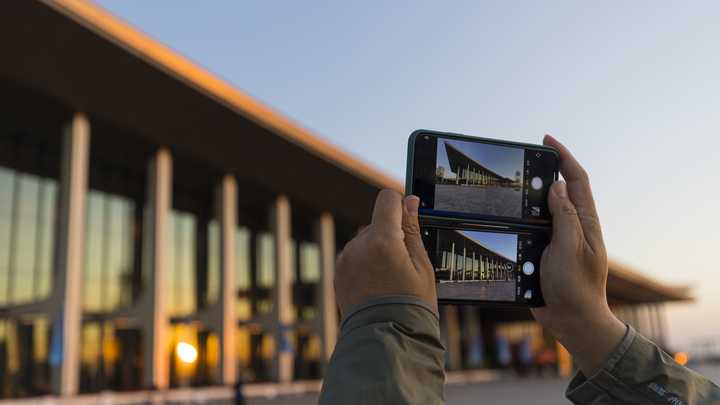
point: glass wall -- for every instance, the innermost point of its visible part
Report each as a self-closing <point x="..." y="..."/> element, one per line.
<point x="111" y="282"/>
<point x="28" y="216"/>
<point x="110" y="237"/>
<point x="28" y="205"/>
<point x="182" y="264"/>
<point x="193" y="276"/>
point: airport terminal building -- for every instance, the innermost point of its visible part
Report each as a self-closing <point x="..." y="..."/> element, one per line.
<point x="161" y="229"/>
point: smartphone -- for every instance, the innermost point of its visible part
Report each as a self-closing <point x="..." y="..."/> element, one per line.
<point x="493" y="265"/>
<point x="478" y="178"/>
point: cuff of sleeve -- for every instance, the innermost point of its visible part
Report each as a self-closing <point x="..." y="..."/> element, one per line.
<point x="366" y="312"/>
<point x="586" y="390"/>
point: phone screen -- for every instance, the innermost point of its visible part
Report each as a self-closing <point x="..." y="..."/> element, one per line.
<point x="476" y="264"/>
<point x="481" y="178"/>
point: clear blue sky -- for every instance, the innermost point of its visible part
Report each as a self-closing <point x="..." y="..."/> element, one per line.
<point x="501" y="160"/>
<point x="631" y="87"/>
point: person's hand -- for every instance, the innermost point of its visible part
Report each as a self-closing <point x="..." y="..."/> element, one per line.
<point x="574" y="270"/>
<point x="387" y="257"/>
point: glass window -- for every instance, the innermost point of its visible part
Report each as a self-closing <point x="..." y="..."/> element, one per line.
<point x="242" y="258"/>
<point x="265" y="260"/>
<point x="27" y="227"/>
<point x="243" y="308"/>
<point x="182" y="266"/>
<point x="194" y="355"/>
<point x="309" y="262"/>
<point x="6" y="215"/>
<point x="24" y="354"/>
<point x="109" y="252"/>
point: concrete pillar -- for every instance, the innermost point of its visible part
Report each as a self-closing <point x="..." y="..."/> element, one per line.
<point x="452" y="325"/>
<point x="660" y="313"/>
<point x="282" y="308"/>
<point x="325" y="237"/>
<point x="70" y="238"/>
<point x="464" y="262"/>
<point x="452" y="261"/>
<point x="473" y="266"/>
<point x="156" y="353"/>
<point x="226" y="203"/>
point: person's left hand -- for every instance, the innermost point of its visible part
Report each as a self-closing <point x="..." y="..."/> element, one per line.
<point x="387" y="257"/>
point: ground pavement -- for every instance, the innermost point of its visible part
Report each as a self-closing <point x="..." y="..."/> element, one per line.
<point x="535" y="391"/>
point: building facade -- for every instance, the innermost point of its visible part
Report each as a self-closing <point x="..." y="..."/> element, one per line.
<point x="158" y="227"/>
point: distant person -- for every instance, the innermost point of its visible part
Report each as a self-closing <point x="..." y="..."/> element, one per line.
<point x="525" y="357"/>
<point x="502" y="347"/>
<point x="389" y="350"/>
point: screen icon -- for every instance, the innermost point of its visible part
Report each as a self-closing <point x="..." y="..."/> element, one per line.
<point x="536" y="183"/>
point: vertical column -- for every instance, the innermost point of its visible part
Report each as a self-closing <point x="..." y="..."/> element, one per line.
<point x="155" y="334"/>
<point x="452" y="323"/>
<point x="660" y="314"/>
<point x="474" y="267"/>
<point x="280" y="221"/>
<point x="70" y="253"/>
<point x="464" y="262"/>
<point x="325" y="236"/>
<point x="652" y="323"/>
<point x="227" y="215"/>
<point x="452" y="261"/>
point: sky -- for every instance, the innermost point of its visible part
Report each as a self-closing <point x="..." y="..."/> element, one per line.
<point x="632" y="88"/>
<point x="502" y="160"/>
<point x="502" y="243"/>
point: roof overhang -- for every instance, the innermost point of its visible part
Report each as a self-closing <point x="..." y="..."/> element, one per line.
<point x="626" y="286"/>
<point x="73" y="51"/>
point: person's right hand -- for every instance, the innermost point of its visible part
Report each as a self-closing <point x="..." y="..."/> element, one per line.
<point x="386" y="258"/>
<point x="574" y="270"/>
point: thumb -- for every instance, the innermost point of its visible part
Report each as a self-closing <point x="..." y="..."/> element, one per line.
<point x="566" y="224"/>
<point x="413" y="239"/>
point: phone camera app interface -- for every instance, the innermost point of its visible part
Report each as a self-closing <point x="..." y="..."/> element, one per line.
<point x="476" y="265"/>
<point x="484" y="265"/>
<point x="492" y="180"/>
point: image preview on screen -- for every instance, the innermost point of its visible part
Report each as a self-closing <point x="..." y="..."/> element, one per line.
<point x="478" y="178"/>
<point x="475" y="265"/>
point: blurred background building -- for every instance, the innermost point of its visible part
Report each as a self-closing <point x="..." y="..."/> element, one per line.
<point x="161" y="229"/>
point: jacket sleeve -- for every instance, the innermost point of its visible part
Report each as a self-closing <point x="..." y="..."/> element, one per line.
<point x="389" y="352"/>
<point x="639" y="372"/>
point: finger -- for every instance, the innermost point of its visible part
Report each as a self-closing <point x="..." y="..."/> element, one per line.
<point x="580" y="193"/>
<point x="567" y="230"/>
<point x="388" y="211"/>
<point x="413" y="238"/>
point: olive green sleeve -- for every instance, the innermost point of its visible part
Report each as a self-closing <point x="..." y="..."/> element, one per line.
<point x="389" y="352"/>
<point x="639" y="372"/>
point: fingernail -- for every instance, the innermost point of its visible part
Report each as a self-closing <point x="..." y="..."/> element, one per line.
<point x="412" y="203"/>
<point x="560" y="189"/>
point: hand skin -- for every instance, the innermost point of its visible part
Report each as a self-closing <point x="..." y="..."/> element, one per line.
<point x="574" y="271"/>
<point x="387" y="257"/>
